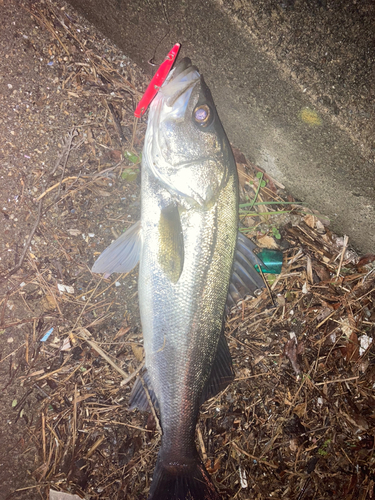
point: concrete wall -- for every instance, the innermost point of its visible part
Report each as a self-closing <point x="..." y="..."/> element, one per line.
<point x="264" y="115"/>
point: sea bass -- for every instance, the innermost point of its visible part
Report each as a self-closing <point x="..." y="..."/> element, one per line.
<point x="185" y="244"/>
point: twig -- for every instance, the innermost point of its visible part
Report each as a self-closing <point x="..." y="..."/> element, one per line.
<point x="86" y="304"/>
<point x="201" y="444"/>
<point x="95" y="446"/>
<point x="132" y="375"/>
<point x="21" y="402"/>
<point x="257" y="191"/>
<point x="83" y="333"/>
<point x="65" y="154"/>
<point x="74" y="429"/>
<point x="12" y="353"/>
<point x="337" y="380"/>
<point x="324" y="320"/>
<point x="346" y="239"/>
<point x="55" y="186"/>
<point x="44" y="21"/>
<point x="135" y="123"/>
<point x="39" y="485"/>
<point x="66" y="150"/>
<point x="92" y="180"/>
<point x="22" y="258"/>
<point x="3" y="309"/>
<point x="116" y="122"/>
<point x="44" y="435"/>
<point x="114" y="422"/>
<point x="42" y="392"/>
<point x="267" y="286"/>
<point x="259" y="460"/>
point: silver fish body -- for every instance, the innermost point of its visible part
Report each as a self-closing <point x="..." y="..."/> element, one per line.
<point x="185" y="244"/>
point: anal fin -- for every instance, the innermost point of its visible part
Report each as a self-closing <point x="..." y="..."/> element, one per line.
<point x="138" y="396"/>
<point x="222" y="373"/>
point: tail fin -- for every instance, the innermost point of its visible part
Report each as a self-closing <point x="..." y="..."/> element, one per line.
<point x="182" y="481"/>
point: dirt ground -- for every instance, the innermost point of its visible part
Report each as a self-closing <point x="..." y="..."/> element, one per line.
<point x="297" y="423"/>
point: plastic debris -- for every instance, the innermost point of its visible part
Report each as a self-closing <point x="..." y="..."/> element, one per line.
<point x="46" y="335"/>
<point x="65" y="288"/>
<point x="272" y="261"/>
<point x="60" y="495"/>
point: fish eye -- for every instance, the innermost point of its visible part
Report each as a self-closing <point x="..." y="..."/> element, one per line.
<point x="203" y="115"/>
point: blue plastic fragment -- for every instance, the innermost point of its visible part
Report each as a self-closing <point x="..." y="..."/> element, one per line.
<point x="46" y="335"/>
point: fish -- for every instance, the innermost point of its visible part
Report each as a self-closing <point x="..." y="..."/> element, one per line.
<point x="185" y="243"/>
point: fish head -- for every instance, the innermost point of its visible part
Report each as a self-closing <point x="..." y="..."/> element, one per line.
<point x="186" y="148"/>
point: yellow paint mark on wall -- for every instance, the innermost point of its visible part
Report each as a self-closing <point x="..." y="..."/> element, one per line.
<point x="310" y="117"/>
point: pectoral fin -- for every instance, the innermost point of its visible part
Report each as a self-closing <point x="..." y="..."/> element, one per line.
<point x="171" y="243"/>
<point x="123" y="254"/>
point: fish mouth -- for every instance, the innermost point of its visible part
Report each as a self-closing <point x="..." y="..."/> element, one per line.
<point x="179" y="85"/>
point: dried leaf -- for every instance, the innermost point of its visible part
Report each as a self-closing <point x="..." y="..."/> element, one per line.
<point x="345" y="327"/>
<point x="115" y="155"/>
<point x="258" y="359"/>
<point x="280" y="300"/>
<point x="321" y="271"/>
<point x="49" y="303"/>
<point x="66" y="346"/>
<point x="300" y="410"/>
<point x="310" y="220"/>
<point x="366" y="259"/>
<point x="212" y="468"/>
<point x="138" y="352"/>
<point x="290" y="350"/>
<point x="238" y="156"/>
<point x="242" y="473"/>
<point x="320" y="226"/>
<point x="101" y="192"/>
<point x="265" y="241"/>
<point x="352" y="349"/>
<point x="324" y="313"/>
<point x="121" y="332"/>
<point x="357" y="420"/>
<point x="293" y="444"/>
<point x="65" y="288"/>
